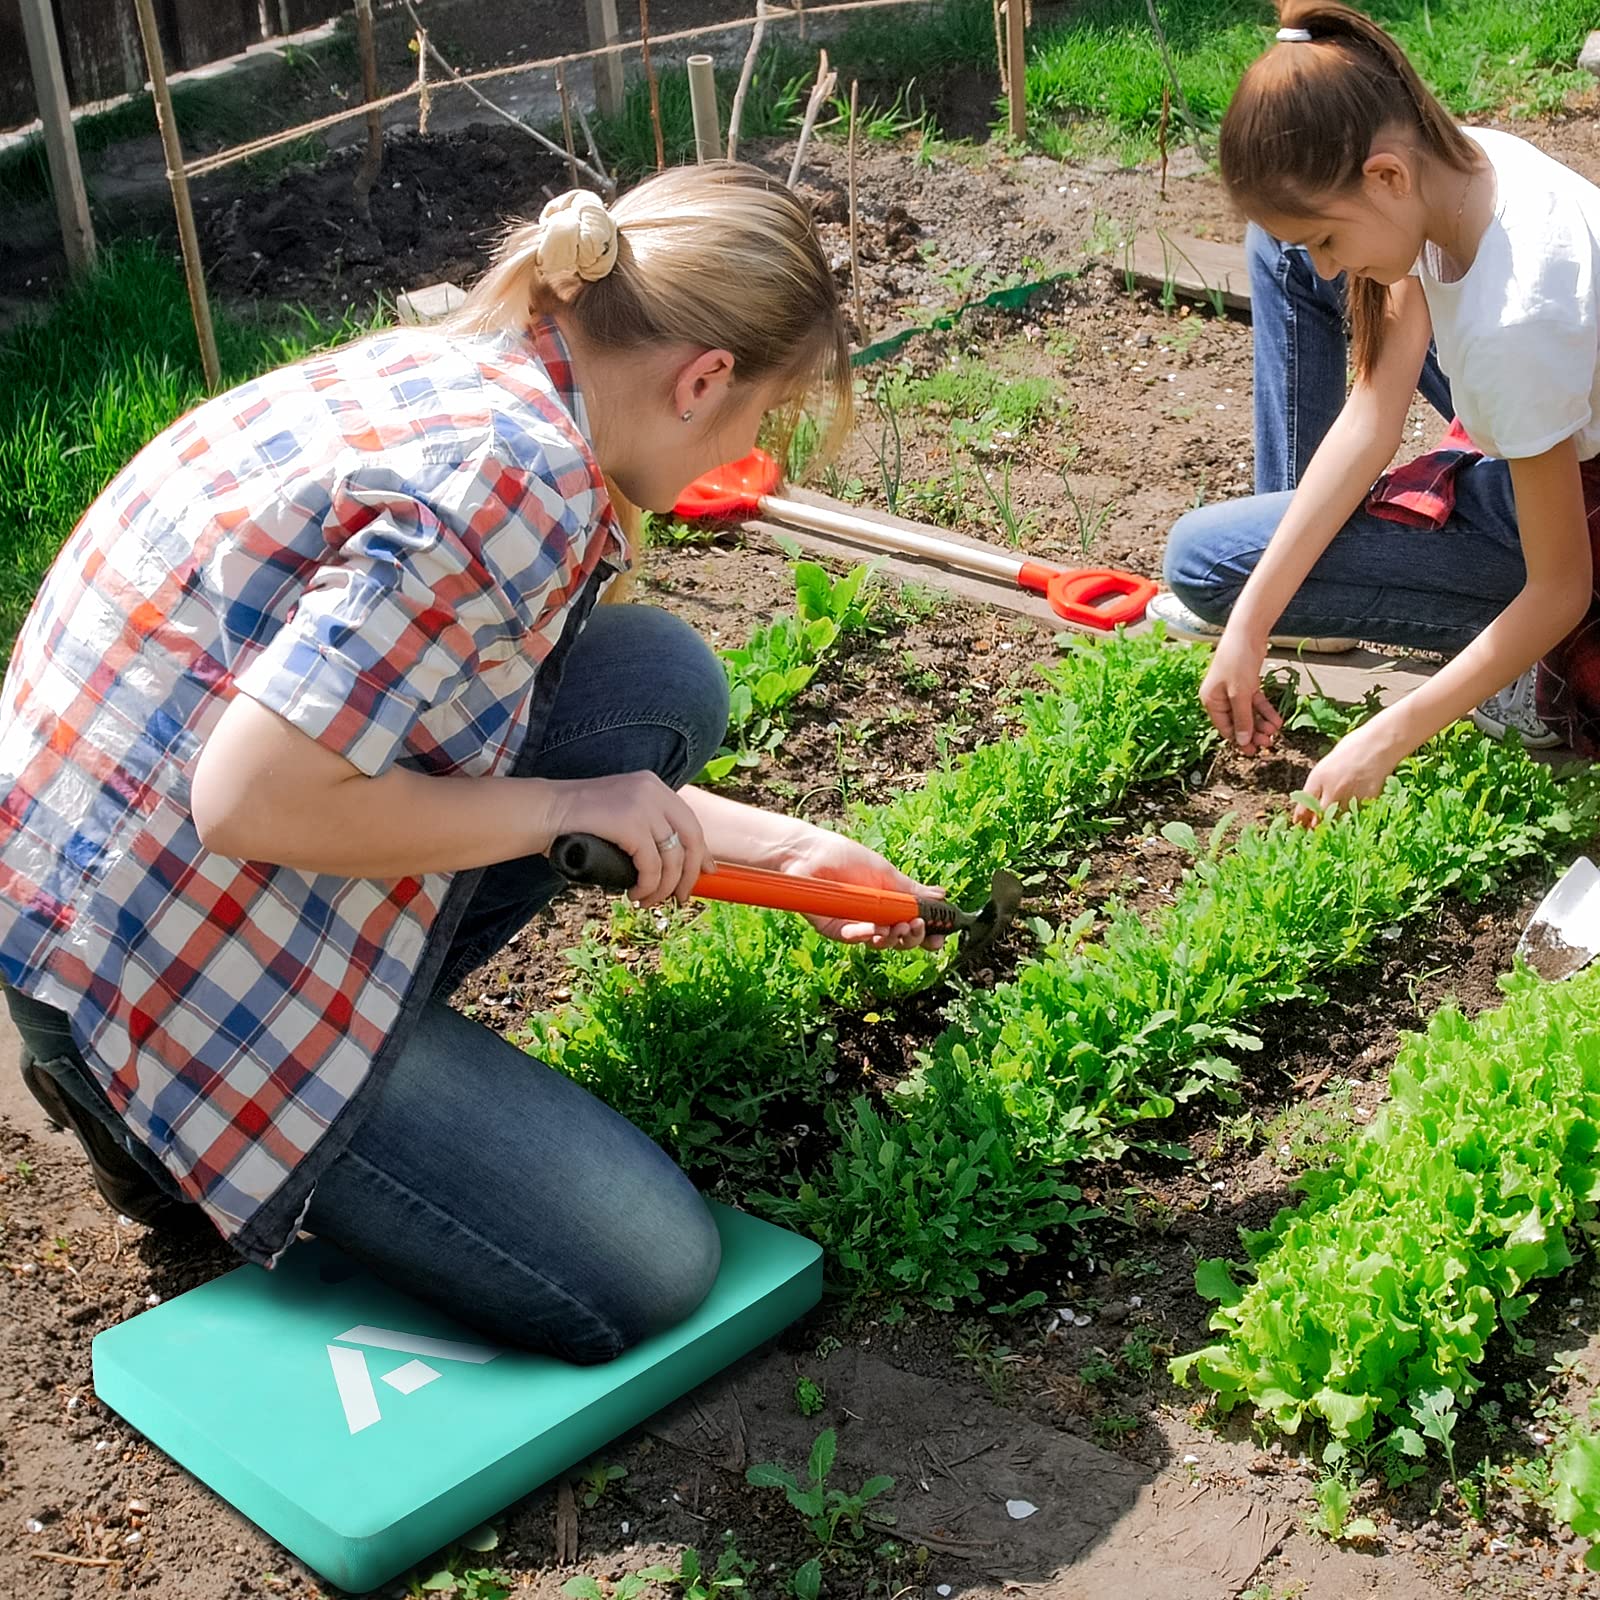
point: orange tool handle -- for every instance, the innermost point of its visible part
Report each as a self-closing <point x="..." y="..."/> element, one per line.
<point x="1095" y="597"/>
<point x="583" y="858"/>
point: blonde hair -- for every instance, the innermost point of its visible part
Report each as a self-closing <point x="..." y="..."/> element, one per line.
<point x="721" y="256"/>
<point x="1303" y="120"/>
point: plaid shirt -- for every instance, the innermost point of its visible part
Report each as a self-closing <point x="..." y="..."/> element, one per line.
<point x="1422" y="494"/>
<point x="382" y="545"/>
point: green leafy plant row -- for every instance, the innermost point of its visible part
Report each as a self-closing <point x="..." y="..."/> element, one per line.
<point x="1095" y="1043"/>
<point x="736" y="1015"/>
<point x="769" y="672"/>
<point x="1366" y="1308"/>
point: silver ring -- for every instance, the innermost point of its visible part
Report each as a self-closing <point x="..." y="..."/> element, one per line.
<point x="671" y="842"/>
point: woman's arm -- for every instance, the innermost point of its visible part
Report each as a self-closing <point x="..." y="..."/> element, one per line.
<point x="264" y="791"/>
<point x="1555" y="548"/>
<point x="1356" y="449"/>
<point x="756" y="838"/>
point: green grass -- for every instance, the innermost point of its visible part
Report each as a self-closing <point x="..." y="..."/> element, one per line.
<point x="83" y="390"/>
<point x="1095" y="81"/>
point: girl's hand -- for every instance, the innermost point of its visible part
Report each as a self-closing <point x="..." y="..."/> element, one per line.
<point x="817" y="853"/>
<point x="1232" y="695"/>
<point x="1355" y="769"/>
<point x="648" y="819"/>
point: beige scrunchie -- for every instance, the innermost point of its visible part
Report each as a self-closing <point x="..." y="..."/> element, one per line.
<point x="576" y="234"/>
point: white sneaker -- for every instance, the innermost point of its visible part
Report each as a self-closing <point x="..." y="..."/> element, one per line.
<point x="1182" y="623"/>
<point x="1513" y="710"/>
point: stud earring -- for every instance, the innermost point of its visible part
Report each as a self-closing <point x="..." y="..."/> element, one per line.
<point x="688" y="416"/>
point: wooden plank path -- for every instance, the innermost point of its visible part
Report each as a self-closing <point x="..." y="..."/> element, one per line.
<point x="1197" y="269"/>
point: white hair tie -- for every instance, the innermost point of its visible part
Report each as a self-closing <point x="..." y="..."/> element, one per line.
<point x="1294" y="36"/>
<point x="576" y="234"/>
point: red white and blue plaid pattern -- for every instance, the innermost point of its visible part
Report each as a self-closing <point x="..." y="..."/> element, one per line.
<point x="381" y="545"/>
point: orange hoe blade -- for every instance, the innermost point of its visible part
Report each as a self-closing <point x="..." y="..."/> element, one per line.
<point x="1092" y="597"/>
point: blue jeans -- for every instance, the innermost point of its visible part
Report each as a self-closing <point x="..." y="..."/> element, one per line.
<point x="485" y="1181"/>
<point x="1378" y="580"/>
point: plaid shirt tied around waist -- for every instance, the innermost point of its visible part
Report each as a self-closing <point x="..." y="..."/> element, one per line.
<point x="385" y="546"/>
<point x="1422" y="494"/>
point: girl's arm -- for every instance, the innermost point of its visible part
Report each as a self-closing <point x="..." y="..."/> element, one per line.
<point x="1357" y="448"/>
<point x="1555" y="548"/>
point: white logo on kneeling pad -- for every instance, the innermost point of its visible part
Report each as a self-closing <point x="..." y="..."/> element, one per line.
<point x="353" y="1377"/>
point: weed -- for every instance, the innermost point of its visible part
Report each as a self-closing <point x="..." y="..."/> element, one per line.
<point x="834" y="1517"/>
<point x="595" y="1479"/>
<point x="1014" y="524"/>
<point x="463" y="1576"/>
<point x="993" y="1363"/>
<point x="1113" y="1427"/>
<point x="1089" y="517"/>
<point x="809" y="1396"/>
<point x="887" y="450"/>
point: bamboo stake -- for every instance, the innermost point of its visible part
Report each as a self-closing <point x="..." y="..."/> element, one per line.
<point x="855" y="258"/>
<point x="193" y="272"/>
<point x="372" y="160"/>
<point x="588" y="139"/>
<point x="424" y="92"/>
<point x="820" y="90"/>
<point x="566" y="124"/>
<point x="477" y="94"/>
<point x="746" y="72"/>
<point x="703" y="109"/>
<point x="1195" y="137"/>
<point x="1016" y="70"/>
<point x="650" y="78"/>
<point x="466" y="80"/>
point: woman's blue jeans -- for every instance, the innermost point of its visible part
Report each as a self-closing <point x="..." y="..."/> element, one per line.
<point x="1378" y="580"/>
<point x="481" y="1179"/>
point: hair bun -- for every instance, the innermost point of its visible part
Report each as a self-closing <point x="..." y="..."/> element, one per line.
<point x="576" y="234"/>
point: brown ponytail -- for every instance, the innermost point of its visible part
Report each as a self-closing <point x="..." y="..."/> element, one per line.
<point x="1302" y="124"/>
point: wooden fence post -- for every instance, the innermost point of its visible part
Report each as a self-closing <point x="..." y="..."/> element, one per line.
<point x="1017" y="69"/>
<point x="194" y="273"/>
<point x="603" y="30"/>
<point x="60" y="143"/>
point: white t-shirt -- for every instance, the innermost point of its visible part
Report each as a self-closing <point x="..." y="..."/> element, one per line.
<point x="1519" y="335"/>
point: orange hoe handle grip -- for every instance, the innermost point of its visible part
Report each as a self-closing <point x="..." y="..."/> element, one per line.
<point x="583" y="858"/>
<point x="1095" y="597"/>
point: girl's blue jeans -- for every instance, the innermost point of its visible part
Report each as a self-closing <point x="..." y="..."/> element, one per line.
<point x="481" y="1179"/>
<point x="1377" y="580"/>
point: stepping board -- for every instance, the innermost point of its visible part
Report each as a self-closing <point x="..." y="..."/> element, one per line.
<point x="363" y="1430"/>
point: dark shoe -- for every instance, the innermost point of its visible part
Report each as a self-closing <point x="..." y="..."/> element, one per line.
<point x="124" y="1185"/>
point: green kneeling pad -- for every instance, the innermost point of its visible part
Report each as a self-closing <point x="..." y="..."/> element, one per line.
<point x="363" y="1429"/>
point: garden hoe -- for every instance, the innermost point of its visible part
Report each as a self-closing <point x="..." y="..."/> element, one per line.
<point x="1563" y="935"/>
<point x="582" y="858"/>
<point x="1091" y="597"/>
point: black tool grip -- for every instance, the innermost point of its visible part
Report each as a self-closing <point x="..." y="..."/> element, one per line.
<point x="584" y="858"/>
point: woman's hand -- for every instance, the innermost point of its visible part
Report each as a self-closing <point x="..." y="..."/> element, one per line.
<point x="1232" y="695"/>
<point x="1355" y="769"/>
<point x="648" y="819"/>
<point x="817" y="853"/>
